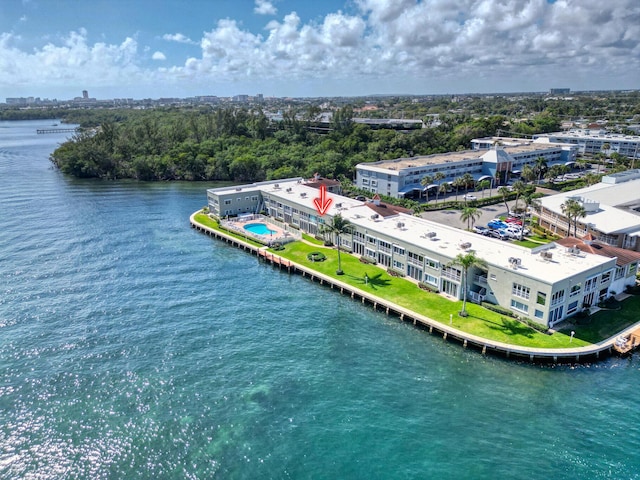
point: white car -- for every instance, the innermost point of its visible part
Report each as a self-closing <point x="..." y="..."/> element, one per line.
<point x="469" y="197"/>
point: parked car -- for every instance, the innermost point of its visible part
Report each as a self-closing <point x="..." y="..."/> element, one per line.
<point x="468" y="196"/>
<point x="501" y="234"/>
<point x="497" y="224"/>
<point x="515" y="220"/>
<point x="481" y="230"/>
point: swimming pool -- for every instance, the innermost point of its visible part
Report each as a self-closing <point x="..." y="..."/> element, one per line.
<point x="259" y="229"/>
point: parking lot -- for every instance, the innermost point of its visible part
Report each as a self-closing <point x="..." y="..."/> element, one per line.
<point x="452" y="217"/>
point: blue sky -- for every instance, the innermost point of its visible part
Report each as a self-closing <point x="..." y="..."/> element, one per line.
<point x="156" y="48"/>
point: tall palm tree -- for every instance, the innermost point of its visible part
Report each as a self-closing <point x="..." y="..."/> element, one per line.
<point x="438" y="177"/>
<point x="519" y="188"/>
<point x="441" y="189"/>
<point x="425" y="182"/>
<point x="540" y="167"/>
<point x="466" y="261"/>
<point x="470" y="215"/>
<point x="530" y="203"/>
<point x="457" y="183"/>
<point x="339" y="226"/>
<point x="528" y="174"/>
<point x="483" y="185"/>
<point x="504" y="191"/>
<point x="467" y="181"/>
<point x="573" y="210"/>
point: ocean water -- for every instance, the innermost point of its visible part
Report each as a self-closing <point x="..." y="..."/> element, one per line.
<point x="132" y="346"/>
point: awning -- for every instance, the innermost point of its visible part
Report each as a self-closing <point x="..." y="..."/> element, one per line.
<point x="634" y="234"/>
<point x="516" y="172"/>
<point x="428" y="187"/>
<point x="408" y="188"/>
<point x="485" y="177"/>
<point x="570" y="163"/>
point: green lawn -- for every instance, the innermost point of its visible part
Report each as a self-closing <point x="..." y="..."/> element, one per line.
<point x="606" y="323"/>
<point x="480" y="322"/>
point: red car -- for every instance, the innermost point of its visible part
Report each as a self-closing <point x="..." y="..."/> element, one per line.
<point x="515" y="220"/>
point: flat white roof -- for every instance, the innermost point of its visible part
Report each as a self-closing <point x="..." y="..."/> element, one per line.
<point x="447" y="241"/>
<point x="610" y="217"/>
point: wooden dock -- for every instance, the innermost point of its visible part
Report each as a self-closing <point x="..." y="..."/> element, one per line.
<point x="627" y="342"/>
<point x="588" y="353"/>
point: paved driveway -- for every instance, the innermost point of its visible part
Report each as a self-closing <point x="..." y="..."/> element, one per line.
<point x="452" y="217"/>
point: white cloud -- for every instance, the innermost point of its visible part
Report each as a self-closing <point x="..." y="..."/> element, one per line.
<point x="431" y="45"/>
<point x="265" y="7"/>
<point x="178" y="37"/>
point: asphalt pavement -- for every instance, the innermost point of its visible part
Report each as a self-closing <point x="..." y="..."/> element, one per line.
<point x="452" y="217"/>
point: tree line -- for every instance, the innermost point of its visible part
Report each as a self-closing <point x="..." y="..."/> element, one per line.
<point x="243" y="145"/>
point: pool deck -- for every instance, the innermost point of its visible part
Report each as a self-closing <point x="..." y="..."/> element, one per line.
<point x="583" y="354"/>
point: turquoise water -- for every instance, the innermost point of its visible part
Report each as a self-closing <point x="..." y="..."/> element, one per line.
<point x="259" y="229"/>
<point x="132" y="346"/>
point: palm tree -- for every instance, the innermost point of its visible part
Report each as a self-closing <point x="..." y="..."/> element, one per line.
<point x="573" y="210"/>
<point x="540" y="167"/>
<point x="425" y="182"/>
<point x="438" y="177"/>
<point x="441" y="189"/>
<point x="470" y="215"/>
<point x="504" y="191"/>
<point x="530" y="202"/>
<point x="528" y="173"/>
<point x="466" y="261"/>
<point x="457" y="183"/>
<point x="467" y="181"/>
<point x="591" y="179"/>
<point x="339" y="226"/>
<point x="483" y="185"/>
<point x="519" y="188"/>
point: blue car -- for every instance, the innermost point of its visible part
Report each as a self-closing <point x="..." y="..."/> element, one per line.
<point x="497" y="225"/>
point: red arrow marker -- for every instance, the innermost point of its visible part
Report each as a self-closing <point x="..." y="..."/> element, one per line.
<point x="323" y="202"/>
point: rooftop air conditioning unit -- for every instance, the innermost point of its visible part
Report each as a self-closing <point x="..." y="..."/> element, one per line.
<point x="465" y="245"/>
<point x="338" y="205"/>
<point x="431" y="234"/>
<point x="546" y="255"/>
<point x="289" y="190"/>
<point x="277" y="185"/>
<point x="374" y="216"/>
<point x="238" y="189"/>
<point x="303" y="195"/>
<point x="400" y="225"/>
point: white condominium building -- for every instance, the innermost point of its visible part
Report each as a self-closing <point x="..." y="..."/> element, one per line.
<point x="545" y="285"/>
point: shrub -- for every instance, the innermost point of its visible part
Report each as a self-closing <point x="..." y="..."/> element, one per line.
<point x="498" y="309"/>
<point x="316" y="257"/>
<point x="395" y="273"/>
<point x="367" y="261"/>
<point x="427" y="287"/>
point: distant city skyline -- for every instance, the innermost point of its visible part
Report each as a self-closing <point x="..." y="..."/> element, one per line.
<point x="281" y="48"/>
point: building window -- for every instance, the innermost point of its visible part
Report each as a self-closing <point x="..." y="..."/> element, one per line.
<point x="398" y="265"/>
<point x="431" y="263"/>
<point x="539" y="314"/>
<point x="557" y="297"/>
<point x="519" y="306"/>
<point x="619" y="272"/>
<point x="520" y="291"/>
<point x="542" y="298"/>
<point x="398" y="250"/>
<point x="606" y="276"/>
<point x="573" y="306"/>
<point x="632" y="269"/>
<point x="430" y="279"/>
<point x="555" y="315"/>
<point x="575" y="290"/>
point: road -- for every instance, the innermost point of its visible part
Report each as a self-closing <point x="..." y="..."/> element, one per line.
<point x="452" y="217"/>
